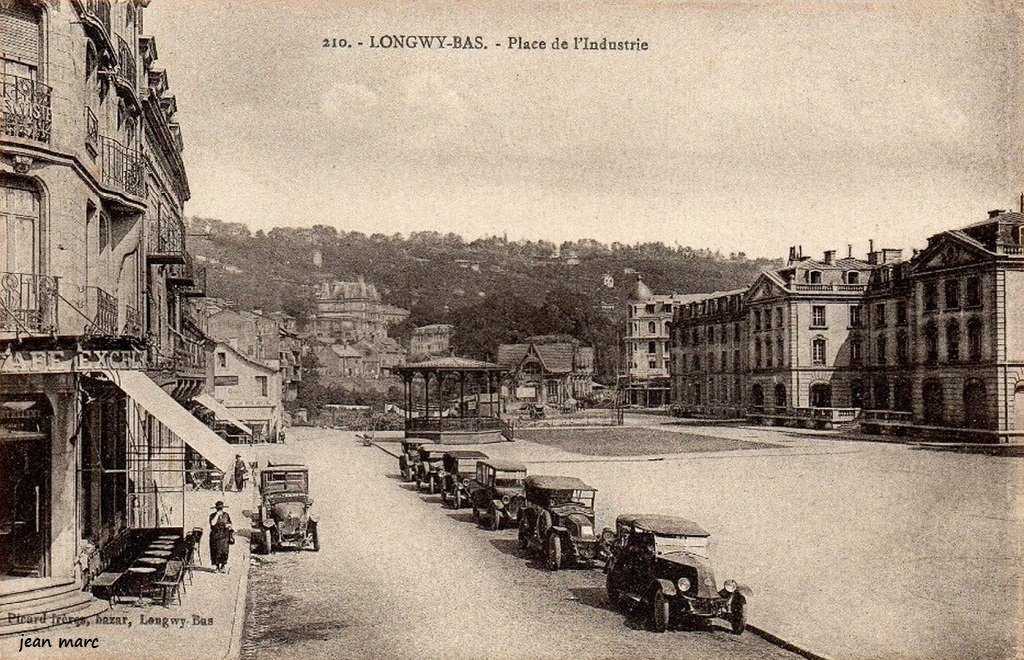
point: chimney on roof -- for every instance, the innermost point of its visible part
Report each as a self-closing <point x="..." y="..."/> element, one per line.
<point x="800" y="252"/>
<point x="830" y="256"/>
<point x="849" y="250"/>
<point x="996" y="212"/>
<point x="792" y="254"/>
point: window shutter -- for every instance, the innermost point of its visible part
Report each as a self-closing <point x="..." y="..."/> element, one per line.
<point x="19" y="33"/>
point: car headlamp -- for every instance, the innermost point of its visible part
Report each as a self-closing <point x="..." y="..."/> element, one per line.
<point x="440" y="473"/>
<point x="465" y="482"/>
<point x="730" y="585"/>
<point x="505" y="499"/>
<point x="683" y="584"/>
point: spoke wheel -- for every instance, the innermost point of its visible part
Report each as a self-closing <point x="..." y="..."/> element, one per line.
<point x="554" y="552"/>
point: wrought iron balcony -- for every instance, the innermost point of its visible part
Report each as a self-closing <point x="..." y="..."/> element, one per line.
<point x="132" y="322"/>
<point x="184" y="356"/>
<point x="92" y="133"/>
<point x="166" y="240"/>
<point x="127" y="74"/>
<point x="123" y="168"/>
<point x="198" y="287"/>
<point x="96" y="17"/>
<point x="28" y="303"/>
<point x="26" y="112"/>
<point x="104" y="313"/>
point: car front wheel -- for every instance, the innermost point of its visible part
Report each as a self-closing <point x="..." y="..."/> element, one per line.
<point x="659" y="612"/>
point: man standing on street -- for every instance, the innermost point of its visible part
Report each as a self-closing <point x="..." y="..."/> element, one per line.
<point x="240" y="473"/>
<point x="221" y="536"/>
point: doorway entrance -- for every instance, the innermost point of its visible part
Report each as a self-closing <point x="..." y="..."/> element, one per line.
<point x="24" y="486"/>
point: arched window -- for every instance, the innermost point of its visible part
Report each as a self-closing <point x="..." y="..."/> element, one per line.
<point x="975" y="404"/>
<point x="953" y="341"/>
<point x="757" y="396"/>
<point x="821" y="395"/>
<point x="934" y="407"/>
<point x="780" y="396"/>
<point x="974" y="340"/>
<point x="903" y="400"/>
<point x="857" y="394"/>
<point x="652" y="327"/>
<point x="881" y="392"/>
<point x="757" y="352"/>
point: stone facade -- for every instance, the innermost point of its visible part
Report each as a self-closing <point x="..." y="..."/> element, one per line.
<point x="95" y="280"/>
<point x="430" y="341"/>
<point x="928" y="345"/>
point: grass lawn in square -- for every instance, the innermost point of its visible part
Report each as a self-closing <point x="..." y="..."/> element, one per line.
<point x="632" y="441"/>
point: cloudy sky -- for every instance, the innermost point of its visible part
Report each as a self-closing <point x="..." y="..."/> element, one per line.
<point x="746" y="126"/>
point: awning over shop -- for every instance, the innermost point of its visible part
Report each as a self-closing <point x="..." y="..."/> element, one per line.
<point x="143" y="391"/>
<point x="222" y="413"/>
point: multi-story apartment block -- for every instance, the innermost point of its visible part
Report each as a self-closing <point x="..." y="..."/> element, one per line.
<point x="646" y="381"/>
<point x="927" y="345"/>
<point x="348" y="312"/>
<point x="100" y="339"/>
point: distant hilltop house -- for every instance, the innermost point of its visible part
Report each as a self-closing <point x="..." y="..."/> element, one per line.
<point x="349" y="312"/>
<point x="547" y="370"/>
<point x="430" y="341"/>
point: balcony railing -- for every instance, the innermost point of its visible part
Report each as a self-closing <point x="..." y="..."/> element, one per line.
<point x="123" y="168"/>
<point x="831" y="288"/>
<point x="126" y="72"/>
<point x="1009" y="248"/>
<point x="104" y="317"/>
<point x="96" y="14"/>
<point x="166" y="240"/>
<point x="28" y="303"/>
<point x="92" y="132"/>
<point x="198" y="287"/>
<point x="26" y="112"/>
<point x="180" y="355"/>
<point x="132" y="322"/>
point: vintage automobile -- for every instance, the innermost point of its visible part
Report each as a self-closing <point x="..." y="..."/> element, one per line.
<point x="410" y="457"/>
<point x="661" y="563"/>
<point x="428" y="465"/>
<point x="497" y="488"/>
<point x="456" y="469"/>
<point x="284" y="514"/>
<point x="558" y="520"/>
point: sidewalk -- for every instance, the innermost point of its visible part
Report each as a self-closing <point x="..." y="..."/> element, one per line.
<point x="207" y="624"/>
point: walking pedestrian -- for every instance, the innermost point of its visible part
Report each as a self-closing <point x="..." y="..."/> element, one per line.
<point x="240" y="473"/>
<point x="221" y="536"/>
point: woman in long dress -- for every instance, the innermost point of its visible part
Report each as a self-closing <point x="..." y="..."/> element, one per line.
<point x="220" y="535"/>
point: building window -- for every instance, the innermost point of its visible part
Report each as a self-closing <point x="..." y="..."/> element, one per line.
<point x="736" y="331"/>
<point x="19" y="227"/>
<point x="696" y="362"/>
<point x="778" y="317"/>
<point x="768" y="355"/>
<point x="818" y="352"/>
<point x="814" y="277"/>
<point x="818" y="316"/>
<point x="652" y="327"/>
<point x="757" y="352"/>
<point x="711" y="334"/>
<point x="778" y="345"/>
<point x="854" y="316"/>
<point x="649" y="309"/>
<point x="222" y="359"/>
<point x="952" y="294"/>
<point x="880" y="315"/>
<point x="767" y="319"/>
<point x="931" y="297"/>
<point x="901" y="313"/>
<point x="931" y="344"/>
<point x="652" y="364"/>
<point x="736" y="360"/>
<point x="696" y="337"/>
<point x="974" y="340"/>
<point x="225" y="381"/>
<point x="953" y="342"/>
<point x="880" y="351"/>
<point x="902" y="348"/>
<point x="725" y="361"/>
<point x="974" y="292"/>
<point x="757" y="320"/>
<point x="856" y="351"/>
<point x="652" y="347"/>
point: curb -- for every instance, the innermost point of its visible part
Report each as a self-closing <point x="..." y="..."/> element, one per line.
<point x="238" y="622"/>
<point x="385" y="450"/>
<point x="783" y="644"/>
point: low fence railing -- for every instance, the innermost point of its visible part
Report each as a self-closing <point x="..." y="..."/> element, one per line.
<point x="26" y="108"/>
